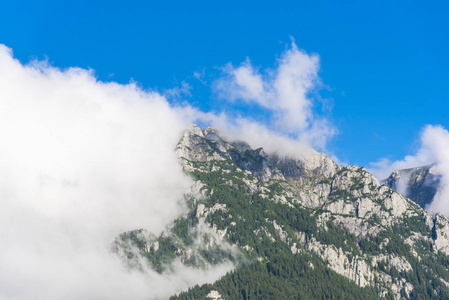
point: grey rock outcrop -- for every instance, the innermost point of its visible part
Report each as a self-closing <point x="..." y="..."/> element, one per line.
<point x="419" y="184"/>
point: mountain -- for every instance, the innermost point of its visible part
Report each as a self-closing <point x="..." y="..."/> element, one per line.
<point x="302" y="227"/>
<point x="419" y="184"/>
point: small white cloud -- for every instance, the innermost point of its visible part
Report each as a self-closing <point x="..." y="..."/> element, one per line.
<point x="437" y="139"/>
<point x="424" y="156"/>
<point x="199" y="74"/>
<point x="179" y="92"/>
<point x="434" y="149"/>
<point x="285" y="91"/>
<point x="243" y="83"/>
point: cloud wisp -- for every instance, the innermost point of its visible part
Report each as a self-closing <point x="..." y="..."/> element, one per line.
<point x="286" y="92"/>
<point x="434" y="148"/>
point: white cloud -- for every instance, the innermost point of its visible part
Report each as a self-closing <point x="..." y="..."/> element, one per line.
<point x="258" y="135"/>
<point x="80" y="162"/>
<point x="434" y="149"/>
<point x="437" y="139"/>
<point x="384" y="166"/>
<point x="285" y="92"/>
<point x="244" y="83"/>
<point x="176" y="93"/>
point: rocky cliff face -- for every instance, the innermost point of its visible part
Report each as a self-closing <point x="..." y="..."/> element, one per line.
<point x="247" y="206"/>
<point x="419" y="184"/>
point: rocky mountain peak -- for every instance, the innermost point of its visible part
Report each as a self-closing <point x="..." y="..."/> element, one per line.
<point x="419" y="184"/>
<point x="266" y="212"/>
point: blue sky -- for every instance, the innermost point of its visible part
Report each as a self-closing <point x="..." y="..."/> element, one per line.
<point x="384" y="65"/>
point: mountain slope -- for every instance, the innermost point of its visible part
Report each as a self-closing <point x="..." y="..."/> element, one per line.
<point x="295" y="227"/>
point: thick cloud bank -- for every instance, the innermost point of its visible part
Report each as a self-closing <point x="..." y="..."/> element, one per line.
<point x="434" y="148"/>
<point x="80" y="162"/>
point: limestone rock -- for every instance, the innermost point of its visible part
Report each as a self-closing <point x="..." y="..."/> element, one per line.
<point x="441" y="232"/>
